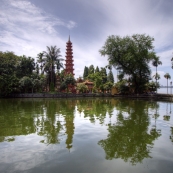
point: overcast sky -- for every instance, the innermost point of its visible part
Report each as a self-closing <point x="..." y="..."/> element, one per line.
<point x="28" y="26"/>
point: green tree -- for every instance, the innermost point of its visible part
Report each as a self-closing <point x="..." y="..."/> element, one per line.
<point x="152" y="86"/>
<point x="25" y="83"/>
<point x="36" y="82"/>
<point x="8" y="76"/>
<point x="40" y="59"/>
<point x="167" y="76"/>
<point x="91" y="69"/>
<point x="110" y="77"/>
<point x="43" y="83"/>
<point x="82" y="87"/>
<point x="97" y="69"/>
<point x="52" y="58"/>
<point x="85" y="73"/>
<point x="103" y="74"/>
<point x="131" y="55"/>
<point x="37" y="68"/>
<point x="122" y="86"/>
<point x="157" y="77"/>
<point x="97" y="79"/>
<point x="155" y="63"/>
<point x="63" y="86"/>
<point x="107" y="86"/>
<point x="69" y="80"/>
<point x="25" y="67"/>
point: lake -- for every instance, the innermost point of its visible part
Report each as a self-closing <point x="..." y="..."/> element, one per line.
<point x="100" y="135"/>
<point x="164" y="90"/>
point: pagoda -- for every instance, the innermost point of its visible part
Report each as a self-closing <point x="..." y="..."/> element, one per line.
<point x="69" y="58"/>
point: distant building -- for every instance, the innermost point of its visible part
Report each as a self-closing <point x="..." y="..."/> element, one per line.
<point x="88" y="83"/>
<point x="69" y="58"/>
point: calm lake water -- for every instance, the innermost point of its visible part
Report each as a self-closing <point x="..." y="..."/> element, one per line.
<point x="86" y="136"/>
<point x="164" y="90"/>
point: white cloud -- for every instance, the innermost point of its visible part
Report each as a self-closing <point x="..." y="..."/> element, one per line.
<point x="71" y="24"/>
<point x="27" y="29"/>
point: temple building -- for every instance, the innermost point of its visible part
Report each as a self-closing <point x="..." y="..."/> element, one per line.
<point x="69" y="58"/>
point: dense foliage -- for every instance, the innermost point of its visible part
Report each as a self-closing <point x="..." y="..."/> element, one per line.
<point x="8" y="72"/>
<point x="131" y="55"/>
<point x="102" y="81"/>
<point x="20" y="74"/>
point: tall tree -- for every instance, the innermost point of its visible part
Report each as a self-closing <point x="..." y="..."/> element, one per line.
<point x="8" y="76"/>
<point x="97" y="69"/>
<point x="52" y="58"/>
<point x="156" y="77"/>
<point x="110" y="77"/>
<point x="103" y="74"/>
<point x="85" y="73"/>
<point x="26" y="66"/>
<point x="97" y="79"/>
<point x="167" y="76"/>
<point x="155" y="63"/>
<point x="40" y="59"/>
<point x="91" y="69"/>
<point x="131" y="55"/>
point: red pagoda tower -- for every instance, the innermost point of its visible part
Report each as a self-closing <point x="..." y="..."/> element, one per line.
<point x="69" y="58"/>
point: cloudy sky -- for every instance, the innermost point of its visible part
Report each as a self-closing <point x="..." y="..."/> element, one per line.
<point x="28" y="26"/>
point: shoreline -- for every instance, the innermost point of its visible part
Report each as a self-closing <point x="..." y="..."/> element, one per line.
<point x="157" y="96"/>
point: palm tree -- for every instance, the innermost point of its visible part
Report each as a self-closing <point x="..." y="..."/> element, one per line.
<point x="52" y="59"/>
<point x="167" y="76"/>
<point x="155" y="63"/>
<point x="40" y="60"/>
<point x="157" y="77"/>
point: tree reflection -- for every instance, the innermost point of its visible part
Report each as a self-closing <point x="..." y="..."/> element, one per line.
<point x="129" y="138"/>
<point x="171" y="137"/>
<point x="15" y="119"/>
<point x="49" y="118"/>
<point x="68" y="111"/>
<point x="56" y="121"/>
<point x="167" y="116"/>
<point x="96" y="109"/>
<point x="47" y="123"/>
<point x="53" y="119"/>
<point x="155" y="106"/>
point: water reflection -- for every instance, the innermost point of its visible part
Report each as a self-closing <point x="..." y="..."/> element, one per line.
<point x="96" y="109"/>
<point x="47" y="118"/>
<point x="166" y="117"/>
<point x="130" y="136"/>
<point x="171" y="137"/>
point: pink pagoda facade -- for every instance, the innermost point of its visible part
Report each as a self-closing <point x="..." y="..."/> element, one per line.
<point x="69" y="58"/>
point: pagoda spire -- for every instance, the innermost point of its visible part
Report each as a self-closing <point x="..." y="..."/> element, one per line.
<point x="69" y="58"/>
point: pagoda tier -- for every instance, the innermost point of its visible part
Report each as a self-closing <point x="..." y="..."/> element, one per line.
<point x="69" y="58"/>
